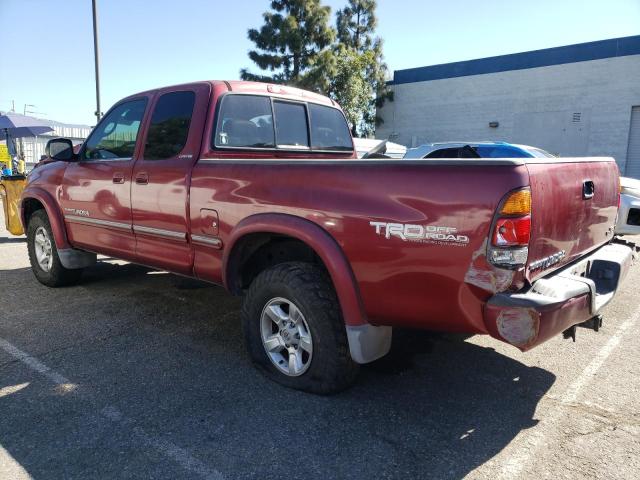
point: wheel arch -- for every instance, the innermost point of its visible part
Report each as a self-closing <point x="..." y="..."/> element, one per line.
<point x="37" y="199"/>
<point x="318" y="240"/>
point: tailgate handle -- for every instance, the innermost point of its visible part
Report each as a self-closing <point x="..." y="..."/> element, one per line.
<point x="588" y="189"/>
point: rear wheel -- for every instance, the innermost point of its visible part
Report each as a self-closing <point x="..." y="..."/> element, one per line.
<point x="43" y="254"/>
<point x="294" y="330"/>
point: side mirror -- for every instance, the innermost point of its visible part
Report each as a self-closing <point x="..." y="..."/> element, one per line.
<point x="60" y="149"/>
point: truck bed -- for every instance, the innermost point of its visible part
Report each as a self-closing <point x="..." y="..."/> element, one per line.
<point x="432" y="283"/>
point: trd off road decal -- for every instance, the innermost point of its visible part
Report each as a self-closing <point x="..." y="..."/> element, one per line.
<point x="434" y="234"/>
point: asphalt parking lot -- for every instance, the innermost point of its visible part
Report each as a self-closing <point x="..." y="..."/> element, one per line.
<point x="142" y="374"/>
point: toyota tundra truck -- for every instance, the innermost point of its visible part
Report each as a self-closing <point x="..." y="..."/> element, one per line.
<point x="257" y="187"/>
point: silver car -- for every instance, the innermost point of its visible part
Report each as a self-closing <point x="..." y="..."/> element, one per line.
<point x="629" y="212"/>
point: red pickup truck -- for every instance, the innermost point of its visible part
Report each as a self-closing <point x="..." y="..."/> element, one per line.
<point x="257" y="187"/>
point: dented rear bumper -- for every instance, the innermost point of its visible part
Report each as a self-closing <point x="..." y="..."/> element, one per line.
<point x="553" y="304"/>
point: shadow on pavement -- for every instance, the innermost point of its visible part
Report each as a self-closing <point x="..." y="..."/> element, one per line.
<point x="169" y="356"/>
<point x="13" y="240"/>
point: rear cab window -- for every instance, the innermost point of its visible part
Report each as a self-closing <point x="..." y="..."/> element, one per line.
<point x="329" y="129"/>
<point x="245" y="121"/>
<point x="256" y="122"/>
<point x="292" y="129"/>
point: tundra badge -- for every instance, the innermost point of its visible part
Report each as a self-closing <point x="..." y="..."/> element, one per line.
<point x="546" y="262"/>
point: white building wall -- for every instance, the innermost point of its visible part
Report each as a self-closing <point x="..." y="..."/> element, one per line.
<point x="33" y="148"/>
<point x="535" y="106"/>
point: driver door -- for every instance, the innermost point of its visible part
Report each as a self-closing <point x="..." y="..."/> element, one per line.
<point x="96" y="190"/>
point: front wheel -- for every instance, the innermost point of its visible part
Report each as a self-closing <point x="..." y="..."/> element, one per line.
<point x="294" y="330"/>
<point x="43" y="254"/>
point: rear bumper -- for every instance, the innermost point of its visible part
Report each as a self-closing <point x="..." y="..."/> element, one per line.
<point x="569" y="296"/>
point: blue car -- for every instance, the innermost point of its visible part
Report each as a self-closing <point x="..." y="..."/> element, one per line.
<point x="476" y="150"/>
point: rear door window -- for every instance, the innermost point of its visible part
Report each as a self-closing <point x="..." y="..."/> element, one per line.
<point x="169" y="126"/>
<point x="329" y="129"/>
<point x="291" y="125"/>
<point x="245" y="121"/>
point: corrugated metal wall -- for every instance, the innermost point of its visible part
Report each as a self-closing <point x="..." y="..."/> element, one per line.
<point x="33" y="147"/>
<point x="632" y="167"/>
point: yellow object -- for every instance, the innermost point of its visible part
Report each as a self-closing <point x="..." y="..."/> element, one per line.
<point x="21" y="166"/>
<point x="518" y="203"/>
<point x="10" y="192"/>
<point x="4" y="155"/>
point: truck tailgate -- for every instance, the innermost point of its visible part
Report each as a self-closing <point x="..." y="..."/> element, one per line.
<point x="574" y="208"/>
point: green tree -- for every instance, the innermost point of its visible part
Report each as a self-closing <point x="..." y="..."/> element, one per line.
<point x="351" y="88"/>
<point x="356" y="24"/>
<point x="356" y="31"/>
<point x="293" y="45"/>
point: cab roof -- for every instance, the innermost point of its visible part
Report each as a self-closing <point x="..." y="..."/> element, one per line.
<point x="258" y="88"/>
<point x="278" y="90"/>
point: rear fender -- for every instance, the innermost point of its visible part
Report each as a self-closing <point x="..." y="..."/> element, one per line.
<point x="53" y="212"/>
<point x="366" y="342"/>
<point x="320" y="241"/>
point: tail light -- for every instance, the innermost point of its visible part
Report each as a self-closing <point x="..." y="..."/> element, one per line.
<point x="512" y="231"/>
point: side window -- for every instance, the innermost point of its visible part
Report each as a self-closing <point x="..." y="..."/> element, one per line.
<point x="444" y="153"/>
<point x="245" y="121"/>
<point x="468" y="152"/>
<point x="291" y="125"/>
<point x="169" y="127"/>
<point x="329" y="129"/>
<point x="115" y="136"/>
<point x="488" y="151"/>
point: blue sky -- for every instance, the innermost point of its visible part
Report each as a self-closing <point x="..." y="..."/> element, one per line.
<point x="47" y="47"/>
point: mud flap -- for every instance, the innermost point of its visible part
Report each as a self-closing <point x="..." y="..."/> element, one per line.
<point x="73" y="259"/>
<point x="368" y="342"/>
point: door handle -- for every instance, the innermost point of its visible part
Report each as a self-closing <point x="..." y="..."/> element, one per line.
<point x="118" y="177"/>
<point x="588" y="189"/>
<point x="142" y="178"/>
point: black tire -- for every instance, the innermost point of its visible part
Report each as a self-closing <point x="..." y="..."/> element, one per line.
<point x="331" y="368"/>
<point x="57" y="275"/>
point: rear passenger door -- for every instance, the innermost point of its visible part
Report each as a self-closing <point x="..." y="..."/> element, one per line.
<point x="162" y="174"/>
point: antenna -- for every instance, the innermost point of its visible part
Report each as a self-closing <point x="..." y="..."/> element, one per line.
<point x="96" y="60"/>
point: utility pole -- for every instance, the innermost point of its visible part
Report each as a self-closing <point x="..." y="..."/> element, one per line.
<point x="95" y="53"/>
